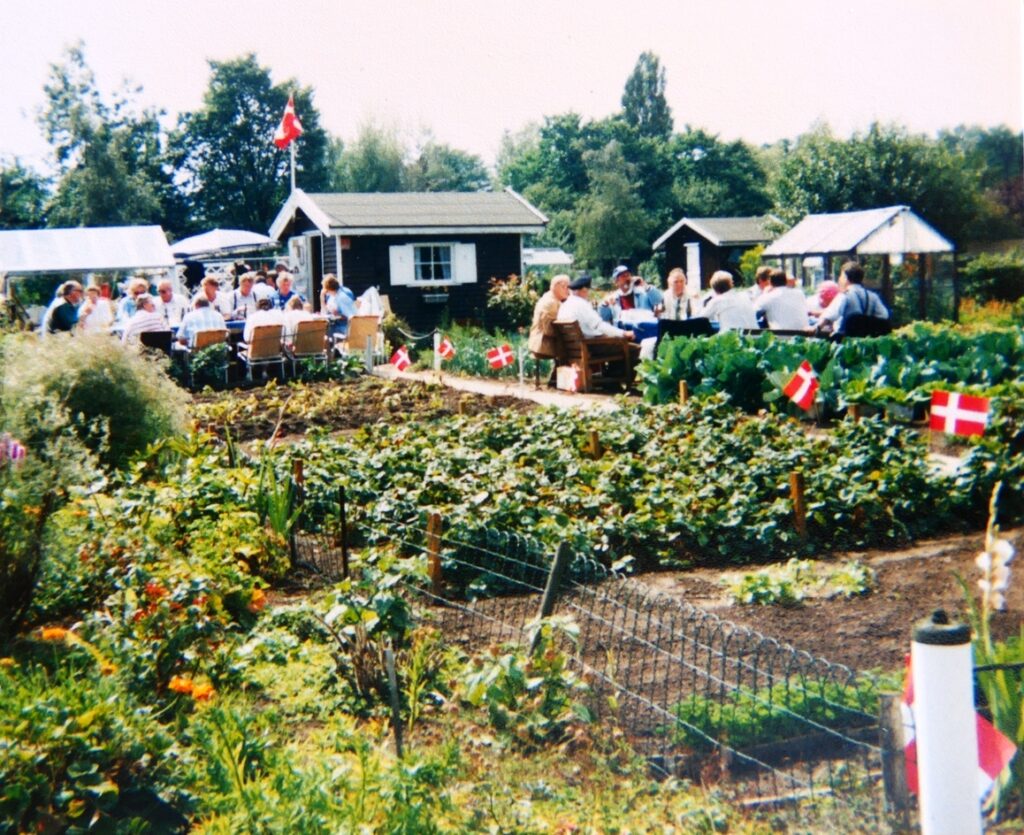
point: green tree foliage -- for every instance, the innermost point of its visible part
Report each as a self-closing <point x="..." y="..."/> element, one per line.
<point x="610" y="224"/>
<point x="234" y="175"/>
<point x="643" y="102"/>
<point x="712" y="178"/>
<point x="374" y="163"/>
<point x="997" y="156"/>
<point x="111" y="158"/>
<point x="885" y="166"/>
<point x="440" y="167"/>
<point x="23" y="196"/>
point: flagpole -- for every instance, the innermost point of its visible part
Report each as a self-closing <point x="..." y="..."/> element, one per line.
<point x="291" y="147"/>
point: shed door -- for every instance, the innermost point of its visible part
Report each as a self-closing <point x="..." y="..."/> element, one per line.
<point x="694" y="280"/>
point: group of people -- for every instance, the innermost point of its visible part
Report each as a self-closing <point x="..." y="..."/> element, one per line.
<point x="259" y="297"/>
<point x="774" y="301"/>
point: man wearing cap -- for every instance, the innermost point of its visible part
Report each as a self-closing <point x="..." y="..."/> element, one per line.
<point x="577" y="308"/>
<point x="628" y="295"/>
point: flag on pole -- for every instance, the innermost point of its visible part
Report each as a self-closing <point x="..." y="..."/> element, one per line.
<point x="803" y="386"/>
<point x="959" y="414"/>
<point x="501" y="356"/>
<point x="446" y="349"/>
<point x="290" y="127"/>
<point x="995" y="749"/>
<point x="400" y="359"/>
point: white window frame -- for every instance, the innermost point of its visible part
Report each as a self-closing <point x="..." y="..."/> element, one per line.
<point x="405" y="273"/>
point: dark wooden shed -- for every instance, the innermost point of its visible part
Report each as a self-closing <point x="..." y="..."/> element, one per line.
<point x="702" y="245"/>
<point x="430" y="253"/>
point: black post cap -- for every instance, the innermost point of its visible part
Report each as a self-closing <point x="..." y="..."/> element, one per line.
<point x="938" y="631"/>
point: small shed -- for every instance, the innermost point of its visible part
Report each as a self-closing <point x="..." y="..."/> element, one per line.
<point x="702" y="245"/>
<point x="429" y="252"/>
<point x="818" y="244"/>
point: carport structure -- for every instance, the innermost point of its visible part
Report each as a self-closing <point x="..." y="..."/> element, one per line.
<point x="897" y="236"/>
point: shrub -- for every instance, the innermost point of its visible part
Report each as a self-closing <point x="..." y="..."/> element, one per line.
<point x="513" y="300"/>
<point x="994" y="277"/>
<point x="117" y="400"/>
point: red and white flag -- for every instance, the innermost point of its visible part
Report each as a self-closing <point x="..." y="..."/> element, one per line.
<point x="446" y="349"/>
<point x="501" y="356"/>
<point x="995" y="749"/>
<point x="290" y="127"/>
<point x="400" y="359"/>
<point x="959" y="414"/>
<point x="802" y="388"/>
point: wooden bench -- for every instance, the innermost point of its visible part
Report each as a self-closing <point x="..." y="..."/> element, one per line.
<point x="601" y="360"/>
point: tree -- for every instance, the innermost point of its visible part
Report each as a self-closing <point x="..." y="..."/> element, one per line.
<point x="885" y="166"/>
<point x="712" y="178"/>
<point x="23" y="195"/>
<point x="643" y="102"/>
<point x="374" y="163"/>
<point x="610" y="224"/>
<point x="233" y="174"/>
<point x="443" y="168"/>
<point x="111" y="158"/>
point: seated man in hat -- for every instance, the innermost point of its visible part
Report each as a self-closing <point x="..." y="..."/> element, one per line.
<point x="629" y="294"/>
<point x="577" y="308"/>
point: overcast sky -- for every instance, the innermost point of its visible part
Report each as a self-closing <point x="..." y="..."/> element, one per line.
<point x="468" y="70"/>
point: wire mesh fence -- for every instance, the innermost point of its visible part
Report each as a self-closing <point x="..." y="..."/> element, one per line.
<point x="698" y="696"/>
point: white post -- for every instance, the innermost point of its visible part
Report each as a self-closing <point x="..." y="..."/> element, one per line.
<point x="521" y="355"/>
<point x="369" y="355"/>
<point x="945" y="727"/>
<point x="291" y="147"/>
<point x="437" y="353"/>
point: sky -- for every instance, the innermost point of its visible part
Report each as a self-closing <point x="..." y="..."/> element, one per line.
<point x="469" y="70"/>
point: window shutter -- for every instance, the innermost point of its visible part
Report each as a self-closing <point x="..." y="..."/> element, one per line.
<point x="402" y="272"/>
<point x="464" y="257"/>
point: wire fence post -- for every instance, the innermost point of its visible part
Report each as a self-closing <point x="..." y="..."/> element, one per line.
<point x="434" y="554"/>
<point x="684" y="391"/>
<point x="555" y="575"/>
<point x="343" y="531"/>
<point x="368" y="358"/>
<point x="396" y="715"/>
<point x="594" y="444"/>
<point x="796" y="491"/>
<point x="894" y="773"/>
<point x="296" y="499"/>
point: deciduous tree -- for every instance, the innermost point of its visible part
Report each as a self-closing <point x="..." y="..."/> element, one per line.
<point x="643" y="102"/>
<point x="23" y="195"/>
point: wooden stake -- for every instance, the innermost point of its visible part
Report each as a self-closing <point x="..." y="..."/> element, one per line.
<point x="594" y="445"/>
<point x="684" y="391"/>
<point x="894" y="773"/>
<point x="547" y="603"/>
<point x="343" y="520"/>
<point x="796" y="492"/>
<point x="396" y="715"/>
<point x="434" y="553"/>
<point x="462" y="406"/>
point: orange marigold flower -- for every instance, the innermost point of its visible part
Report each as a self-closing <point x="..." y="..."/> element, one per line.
<point x="54" y="633"/>
<point x="203" y="692"/>
<point x="107" y="668"/>
<point x="154" y="591"/>
<point x="7" y="662"/>
<point x="257" y="601"/>
<point x="181" y="684"/>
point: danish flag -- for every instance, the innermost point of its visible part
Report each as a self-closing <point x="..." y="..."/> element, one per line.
<point x="501" y="356"/>
<point x="290" y="127"/>
<point x="995" y="749"/>
<point x="959" y="414"/>
<point x="803" y="386"/>
<point x="446" y="349"/>
<point x="400" y="359"/>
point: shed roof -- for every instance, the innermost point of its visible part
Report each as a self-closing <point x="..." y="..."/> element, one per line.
<point x="724" y="231"/>
<point x="411" y="212"/>
<point x="869" y="232"/>
<point x="84" y="249"/>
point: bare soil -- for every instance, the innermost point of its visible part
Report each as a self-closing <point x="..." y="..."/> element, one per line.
<point x="868" y="632"/>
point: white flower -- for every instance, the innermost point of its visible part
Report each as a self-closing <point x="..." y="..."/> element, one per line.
<point x="984" y="585"/>
<point x="984" y="561"/>
<point x="998" y="601"/>
<point x="1003" y="551"/>
<point x="1001" y="578"/>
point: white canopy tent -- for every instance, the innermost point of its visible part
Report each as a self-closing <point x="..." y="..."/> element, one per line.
<point x="84" y="250"/>
<point x="221" y="242"/>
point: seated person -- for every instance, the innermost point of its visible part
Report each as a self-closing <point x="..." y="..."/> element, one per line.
<point x="729" y="307"/>
<point x="262" y="288"/>
<point x="96" y="315"/>
<point x="243" y="300"/>
<point x="295" y="312"/>
<point x="854" y="298"/>
<point x="284" y="290"/>
<point x="145" y="320"/>
<point x="785" y="307"/>
<point x="626" y="296"/>
<point x="542" y="336"/>
<point x="127" y="303"/>
<point x="62" y="314"/>
<point x="577" y="308"/>
<point x="209" y="289"/>
<point x="679" y="302"/>
<point x="203" y="317"/>
<point x="266" y="314"/>
<point x="170" y="305"/>
<point x="827" y="291"/>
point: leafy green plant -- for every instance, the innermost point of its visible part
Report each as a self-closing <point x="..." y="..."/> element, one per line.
<point x="765" y="589"/>
<point x="796" y="580"/>
<point x="513" y="299"/>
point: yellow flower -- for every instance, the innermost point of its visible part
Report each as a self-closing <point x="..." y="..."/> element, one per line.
<point x="257" y="601"/>
<point x="54" y="633"/>
<point x="107" y="669"/>
<point x="203" y="692"/>
<point x="7" y="662"/>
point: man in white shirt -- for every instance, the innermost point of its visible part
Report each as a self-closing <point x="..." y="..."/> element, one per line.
<point x="577" y="308"/>
<point x="266" y="314"/>
<point x="144" y="320"/>
<point x="171" y="306"/>
<point x="202" y="318"/>
<point x="785" y="307"/>
<point x="243" y="300"/>
<point x="210" y="290"/>
<point x="732" y="309"/>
